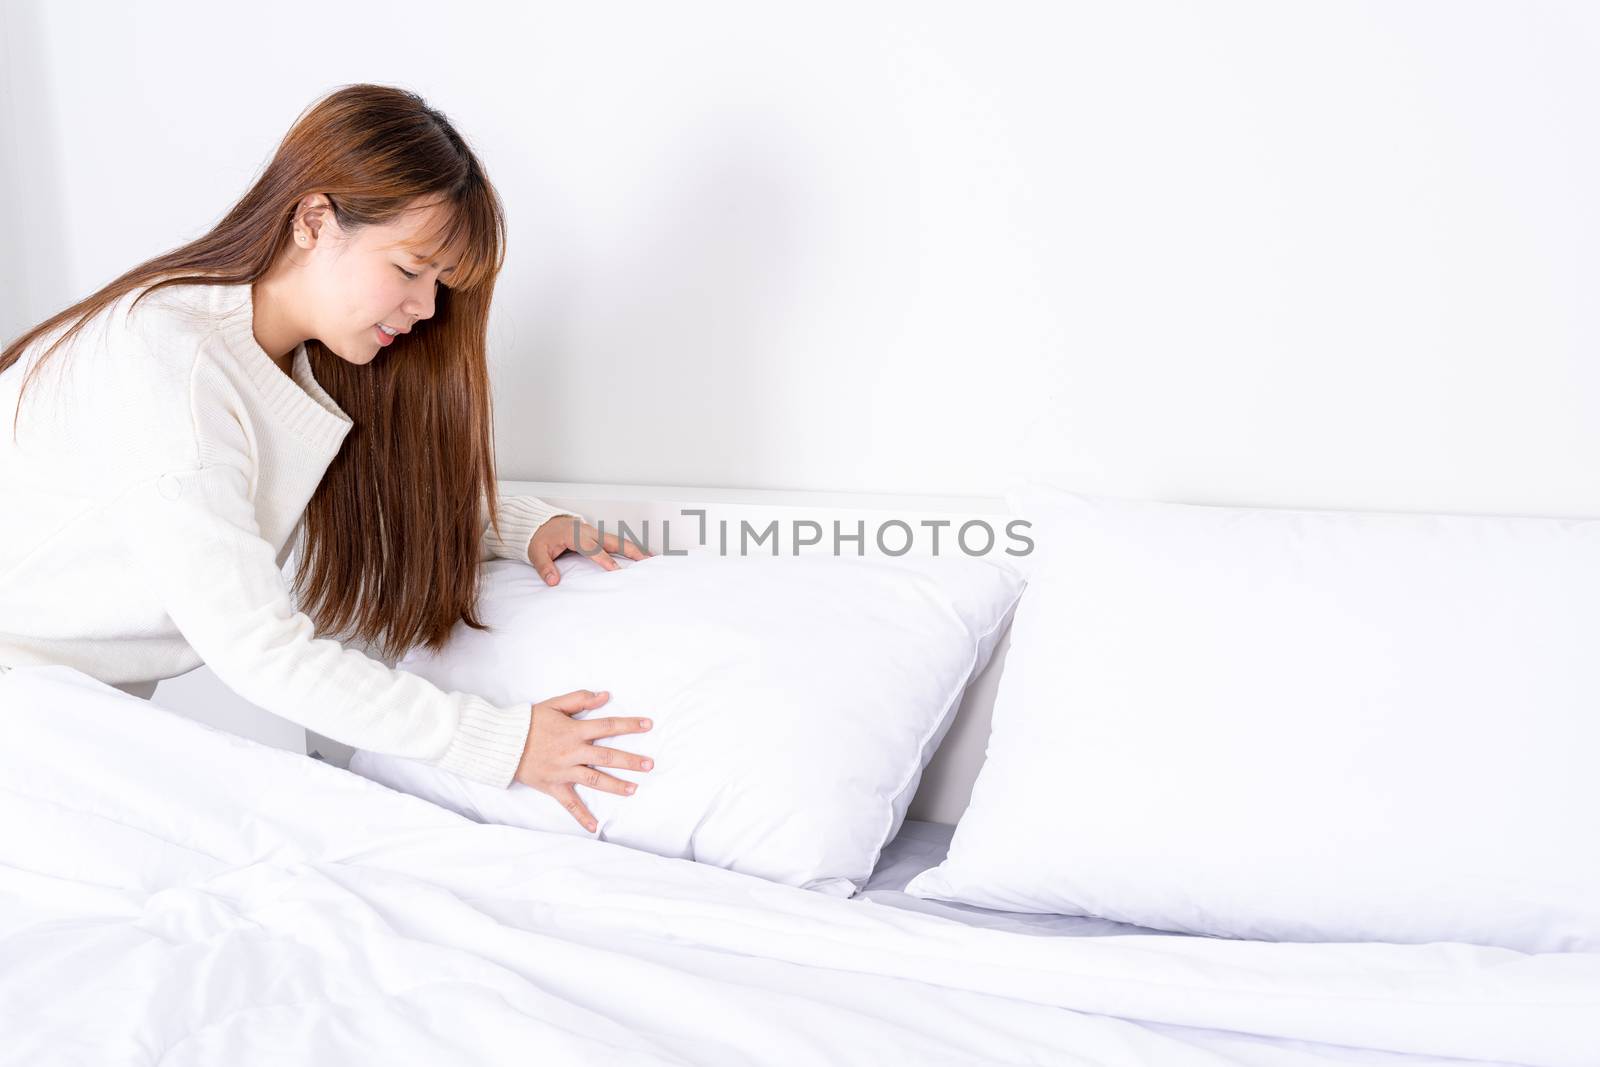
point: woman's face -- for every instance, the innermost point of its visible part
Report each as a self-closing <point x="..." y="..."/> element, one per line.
<point x="356" y="281"/>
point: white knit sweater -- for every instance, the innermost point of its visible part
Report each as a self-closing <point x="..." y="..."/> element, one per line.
<point x="148" y="505"/>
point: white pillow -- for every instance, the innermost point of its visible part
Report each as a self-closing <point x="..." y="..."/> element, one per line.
<point x="1295" y="725"/>
<point x="795" y="700"/>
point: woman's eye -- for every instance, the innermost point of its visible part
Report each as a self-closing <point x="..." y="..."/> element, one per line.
<point x="402" y="270"/>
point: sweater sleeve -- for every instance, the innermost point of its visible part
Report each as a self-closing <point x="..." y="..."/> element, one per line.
<point x="520" y="517"/>
<point x="191" y="532"/>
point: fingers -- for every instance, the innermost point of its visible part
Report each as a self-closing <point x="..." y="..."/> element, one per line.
<point x="568" y="798"/>
<point x="612" y="726"/>
<point x="596" y="779"/>
<point x="595" y="545"/>
<point x="578" y="700"/>
<point x="599" y="547"/>
<point x="540" y="558"/>
<point x="601" y="756"/>
<point x="614" y="543"/>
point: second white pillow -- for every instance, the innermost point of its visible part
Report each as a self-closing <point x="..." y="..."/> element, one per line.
<point x="1295" y="725"/>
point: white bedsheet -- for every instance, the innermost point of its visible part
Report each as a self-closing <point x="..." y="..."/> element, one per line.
<point x="173" y="894"/>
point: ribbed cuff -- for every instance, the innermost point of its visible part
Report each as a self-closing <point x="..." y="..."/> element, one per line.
<point x="488" y="743"/>
<point x="520" y="518"/>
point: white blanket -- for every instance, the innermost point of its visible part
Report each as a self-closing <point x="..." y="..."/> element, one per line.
<point x="173" y="894"/>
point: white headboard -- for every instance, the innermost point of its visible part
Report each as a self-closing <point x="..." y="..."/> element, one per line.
<point x="947" y="783"/>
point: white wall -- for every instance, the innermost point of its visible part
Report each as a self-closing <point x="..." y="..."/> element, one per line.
<point x="1329" y="254"/>
<point x="1298" y="254"/>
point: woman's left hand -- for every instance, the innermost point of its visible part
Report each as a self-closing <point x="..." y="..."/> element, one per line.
<point x="556" y="536"/>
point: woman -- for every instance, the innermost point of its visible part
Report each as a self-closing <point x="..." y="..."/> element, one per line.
<point x="212" y="405"/>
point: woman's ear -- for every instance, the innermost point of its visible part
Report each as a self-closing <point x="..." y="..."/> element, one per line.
<point x="313" y="219"/>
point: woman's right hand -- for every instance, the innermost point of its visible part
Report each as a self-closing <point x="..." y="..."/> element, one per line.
<point x="559" y="753"/>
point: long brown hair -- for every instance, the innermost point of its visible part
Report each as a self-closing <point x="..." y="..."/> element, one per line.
<point x="390" y="549"/>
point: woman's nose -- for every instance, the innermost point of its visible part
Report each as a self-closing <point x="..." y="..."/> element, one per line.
<point x="418" y="308"/>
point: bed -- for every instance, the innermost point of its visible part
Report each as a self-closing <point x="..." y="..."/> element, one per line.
<point x="173" y="893"/>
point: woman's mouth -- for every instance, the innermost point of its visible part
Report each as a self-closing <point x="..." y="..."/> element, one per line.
<point x="384" y="339"/>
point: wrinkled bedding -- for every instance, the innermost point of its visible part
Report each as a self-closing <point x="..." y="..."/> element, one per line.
<point x="173" y="894"/>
